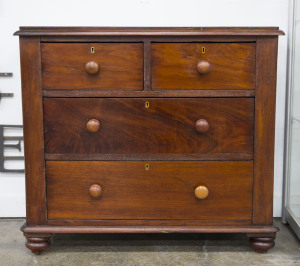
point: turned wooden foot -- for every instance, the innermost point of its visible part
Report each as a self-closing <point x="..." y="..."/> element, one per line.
<point x="262" y="244"/>
<point x="37" y="243"/>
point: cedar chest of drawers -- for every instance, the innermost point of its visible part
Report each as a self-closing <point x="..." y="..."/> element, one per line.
<point x="149" y="130"/>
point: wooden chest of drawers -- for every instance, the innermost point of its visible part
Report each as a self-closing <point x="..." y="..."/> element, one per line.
<point x="149" y="130"/>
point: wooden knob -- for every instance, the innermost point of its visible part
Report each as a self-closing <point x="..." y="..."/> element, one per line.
<point x="203" y="67"/>
<point x="201" y="192"/>
<point x="95" y="191"/>
<point x="93" y="125"/>
<point x="92" y="67"/>
<point x="202" y="125"/>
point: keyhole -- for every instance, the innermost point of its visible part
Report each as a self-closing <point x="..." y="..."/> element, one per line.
<point x="147" y="104"/>
<point x="92" y="50"/>
<point x="203" y="50"/>
<point x="147" y="166"/>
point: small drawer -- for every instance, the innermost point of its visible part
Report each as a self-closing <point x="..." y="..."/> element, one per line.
<point x="195" y="66"/>
<point x="149" y="190"/>
<point x="148" y="126"/>
<point x="88" y="66"/>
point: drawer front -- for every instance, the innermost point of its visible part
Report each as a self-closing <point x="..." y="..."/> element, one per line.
<point x="105" y="66"/>
<point x="165" y="191"/>
<point x="192" y="66"/>
<point x="149" y="125"/>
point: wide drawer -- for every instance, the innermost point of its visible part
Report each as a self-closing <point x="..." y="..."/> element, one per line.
<point x="192" y="66"/>
<point x="152" y="126"/>
<point x="92" y="66"/>
<point x="165" y="191"/>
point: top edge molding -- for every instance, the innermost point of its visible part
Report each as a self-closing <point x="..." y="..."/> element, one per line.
<point x="149" y="31"/>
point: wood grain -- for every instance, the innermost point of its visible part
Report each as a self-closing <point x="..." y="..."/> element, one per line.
<point x="150" y="229"/>
<point x="148" y="31"/>
<point x="174" y="66"/>
<point x="120" y="66"/>
<point x="147" y="65"/>
<point x="140" y="222"/>
<point x="233" y="158"/>
<point x="141" y="38"/>
<point x="165" y="191"/>
<point x="33" y="130"/>
<point x="150" y="157"/>
<point x="167" y="126"/>
<point x="265" y="103"/>
<point x="153" y="94"/>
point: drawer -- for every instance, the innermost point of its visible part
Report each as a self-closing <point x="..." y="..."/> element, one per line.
<point x="92" y="66"/>
<point x="126" y="190"/>
<point x="193" y="66"/>
<point x="153" y="125"/>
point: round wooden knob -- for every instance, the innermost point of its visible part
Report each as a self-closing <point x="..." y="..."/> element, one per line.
<point x="201" y="192"/>
<point x="202" y="125"/>
<point x="203" y="67"/>
<point x="92" y="67"/>
<point x="95" y="191"/>
<point x="93" y="125"/>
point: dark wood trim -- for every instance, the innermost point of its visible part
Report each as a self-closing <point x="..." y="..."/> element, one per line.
<point x="147" y="66"/>
<point x="147" y="222"/>
<point x="149" y="31"/>
<point x="150" y="157"/>
<point x="181" y="39"/>
<point x="265" y="103"/>
<point x="36" y="212"/>
<point x="154" y="94"/>
<point x="149" y="229"/>
<point x="261" y="243"/>
<point x="37" y="243"/>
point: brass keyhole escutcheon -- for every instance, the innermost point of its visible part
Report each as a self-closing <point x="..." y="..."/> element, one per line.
<point x="147" y="167"/>
<point x="147" y="104"/>
<point x="92" y="50"/>
<point x="203" y="50"/>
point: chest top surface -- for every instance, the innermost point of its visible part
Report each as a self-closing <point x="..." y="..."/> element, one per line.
<point x="148" y="31"/>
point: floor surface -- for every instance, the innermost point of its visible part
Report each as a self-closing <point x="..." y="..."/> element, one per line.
<point x="146" y="249"/>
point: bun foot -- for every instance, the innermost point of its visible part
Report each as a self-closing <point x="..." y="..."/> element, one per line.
<point x="38" y="243"/>
<point x="262" y="244"/>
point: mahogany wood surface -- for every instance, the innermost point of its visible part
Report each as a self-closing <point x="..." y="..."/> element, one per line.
<point x="33" y="130"/>
<point x="144" y="38"/>
<point x="149" y="31"/>
<point x="165" y="191"/>
<point x="148" y="93"/>
<point x="120" y="66"/>
<point x="175" y="66"/>
<point x="265" y="103"/>
<point x="37" y="242"/>
<point x="147" y="66"/>
<point x="150" y="157"/>
<point x="167" y="126"/>
<point x="250" y="229"/>
<point x="148" y="222"/>
<point x="262" y="244"/>
<point x="138" y="171"/>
